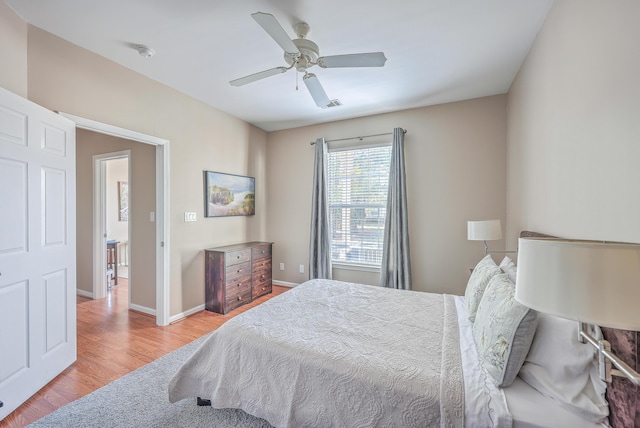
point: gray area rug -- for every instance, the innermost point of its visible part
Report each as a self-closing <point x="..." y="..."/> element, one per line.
<point x="140" y="399"/>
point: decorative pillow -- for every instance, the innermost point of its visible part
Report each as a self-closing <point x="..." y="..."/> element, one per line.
<point x="503" y="330"/>
<point x="562" y="368"/>
<point x="509" y="267"/>
<point x="480" y="277"/>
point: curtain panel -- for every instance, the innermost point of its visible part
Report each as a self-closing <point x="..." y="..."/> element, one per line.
<point x="395" y="271"/>
<point x="320" y="243"/>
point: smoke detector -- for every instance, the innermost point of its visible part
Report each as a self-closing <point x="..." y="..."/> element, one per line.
<point x="145" y="51"/>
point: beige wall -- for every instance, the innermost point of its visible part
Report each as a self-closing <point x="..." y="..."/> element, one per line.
<point x="67" y="78"/>
<point x="455" y="157"/>
<point x="13" y="51"/>
<point x="142" y="276"/>
<point x="574" y="125"/>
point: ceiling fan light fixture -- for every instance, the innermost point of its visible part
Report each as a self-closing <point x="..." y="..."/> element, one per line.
<point x="301" y="29"/>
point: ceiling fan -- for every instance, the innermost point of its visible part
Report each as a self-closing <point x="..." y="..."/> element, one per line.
<point x="303" y="54"/>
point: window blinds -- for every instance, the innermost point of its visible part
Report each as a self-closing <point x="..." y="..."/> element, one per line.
<point x="358" y="180"/>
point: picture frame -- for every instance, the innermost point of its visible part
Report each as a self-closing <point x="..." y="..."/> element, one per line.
<point x="228" y="195"/>
<point x="123" y="201"/>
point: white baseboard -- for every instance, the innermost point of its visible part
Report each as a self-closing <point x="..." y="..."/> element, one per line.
<point x="82" y="293"/>
<point x="143" y="309"/>
<point x="199" y="308"/>
<point x="185" y="314"/>
<point x="284" y="283"/>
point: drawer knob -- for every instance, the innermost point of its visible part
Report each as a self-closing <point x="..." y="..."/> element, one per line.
<point x="239" y="284"/>
<point x="238" y="257"/>
<point x="239" y="298"/>
<point x="264" y="288"/>
<point x="263" y="251"/>
<point x="261" y="276"/>
<point x="239" y="270"/>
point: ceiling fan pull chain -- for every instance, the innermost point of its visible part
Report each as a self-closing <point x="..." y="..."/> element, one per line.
<point x="296" y="81"/>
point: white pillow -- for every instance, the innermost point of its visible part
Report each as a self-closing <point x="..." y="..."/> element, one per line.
<point x="480" y="277"/>
<point x="562" y="368"/>
<point x="503" y="330"/>
<point x="509" y="267"/>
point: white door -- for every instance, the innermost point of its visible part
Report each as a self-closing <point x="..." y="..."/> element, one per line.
<point x="37" y="248"/>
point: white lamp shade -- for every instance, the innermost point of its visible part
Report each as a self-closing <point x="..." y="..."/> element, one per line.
<point x="588" y="281"/>
<point x="484" y="230"/>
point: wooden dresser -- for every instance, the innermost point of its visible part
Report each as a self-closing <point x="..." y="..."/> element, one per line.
<point x="236" y="274"/>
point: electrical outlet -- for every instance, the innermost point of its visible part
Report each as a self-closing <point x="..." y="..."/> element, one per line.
<point x="301" y="268"/>
<point x="189" y="216"/>
<point x="281" y="266"/>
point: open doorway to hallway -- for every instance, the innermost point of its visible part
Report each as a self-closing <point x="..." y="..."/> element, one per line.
<point x="116" y="188"/>
<point x="148" y="247"/>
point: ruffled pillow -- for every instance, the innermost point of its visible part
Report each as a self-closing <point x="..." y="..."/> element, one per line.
<point x="480" y="277"/>
<point x="509" y="267"/>
<point x="503" y="330"/>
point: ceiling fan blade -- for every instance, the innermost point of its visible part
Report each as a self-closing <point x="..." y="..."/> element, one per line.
<point x="257" y="76"/>
<point x="372" y="59"/>
<point x="316" y="90"/>
<point x="271" y="25"/>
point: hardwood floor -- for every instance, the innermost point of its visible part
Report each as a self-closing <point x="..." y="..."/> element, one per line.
<point x="113" y="341"/>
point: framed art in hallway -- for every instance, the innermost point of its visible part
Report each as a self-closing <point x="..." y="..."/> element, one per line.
<point x="123" y="201"/>
<point x="228" y="195"/>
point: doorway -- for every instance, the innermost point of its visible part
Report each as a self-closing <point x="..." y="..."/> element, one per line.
<point x="115" y="210"/>
<point x="159" y="216"/>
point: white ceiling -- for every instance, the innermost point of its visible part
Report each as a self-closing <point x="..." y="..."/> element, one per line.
<point x="437" y="50"/>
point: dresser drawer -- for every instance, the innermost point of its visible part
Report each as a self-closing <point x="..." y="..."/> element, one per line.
<point x="232" y="286"/>
<point x="235" y="257"/>
<point x="238" y="287"/>
<point x="261" y="264"/>
<point x="261" y="276"/>
<point x="261" y="251"/>
<point x="237" y="300"/>
<point x="235" y="271"/>
<point x="261" y="289"/>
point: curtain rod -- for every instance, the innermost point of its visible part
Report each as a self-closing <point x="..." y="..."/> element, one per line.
<point x="404" y="131"/>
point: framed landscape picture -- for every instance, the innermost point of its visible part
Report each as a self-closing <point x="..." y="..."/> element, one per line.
<point x="228" y="194"/>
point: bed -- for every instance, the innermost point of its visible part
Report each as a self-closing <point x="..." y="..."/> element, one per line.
<point x="330" y="353"/>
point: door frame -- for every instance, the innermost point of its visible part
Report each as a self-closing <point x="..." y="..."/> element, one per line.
<point x="162" y="205"/>
<point x="100" y="221"/>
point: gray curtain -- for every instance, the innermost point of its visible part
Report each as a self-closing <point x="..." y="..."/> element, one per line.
<point x="395" y="271"/>
<point x="320" y="244"/>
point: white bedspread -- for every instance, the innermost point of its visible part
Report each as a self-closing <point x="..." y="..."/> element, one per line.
<point x="329" y="353"/>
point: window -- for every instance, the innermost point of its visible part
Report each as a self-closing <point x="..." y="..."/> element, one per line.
<point x="358" y="179"/>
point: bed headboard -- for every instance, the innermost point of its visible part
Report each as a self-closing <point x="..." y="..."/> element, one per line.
<point x="623" y="396"/>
